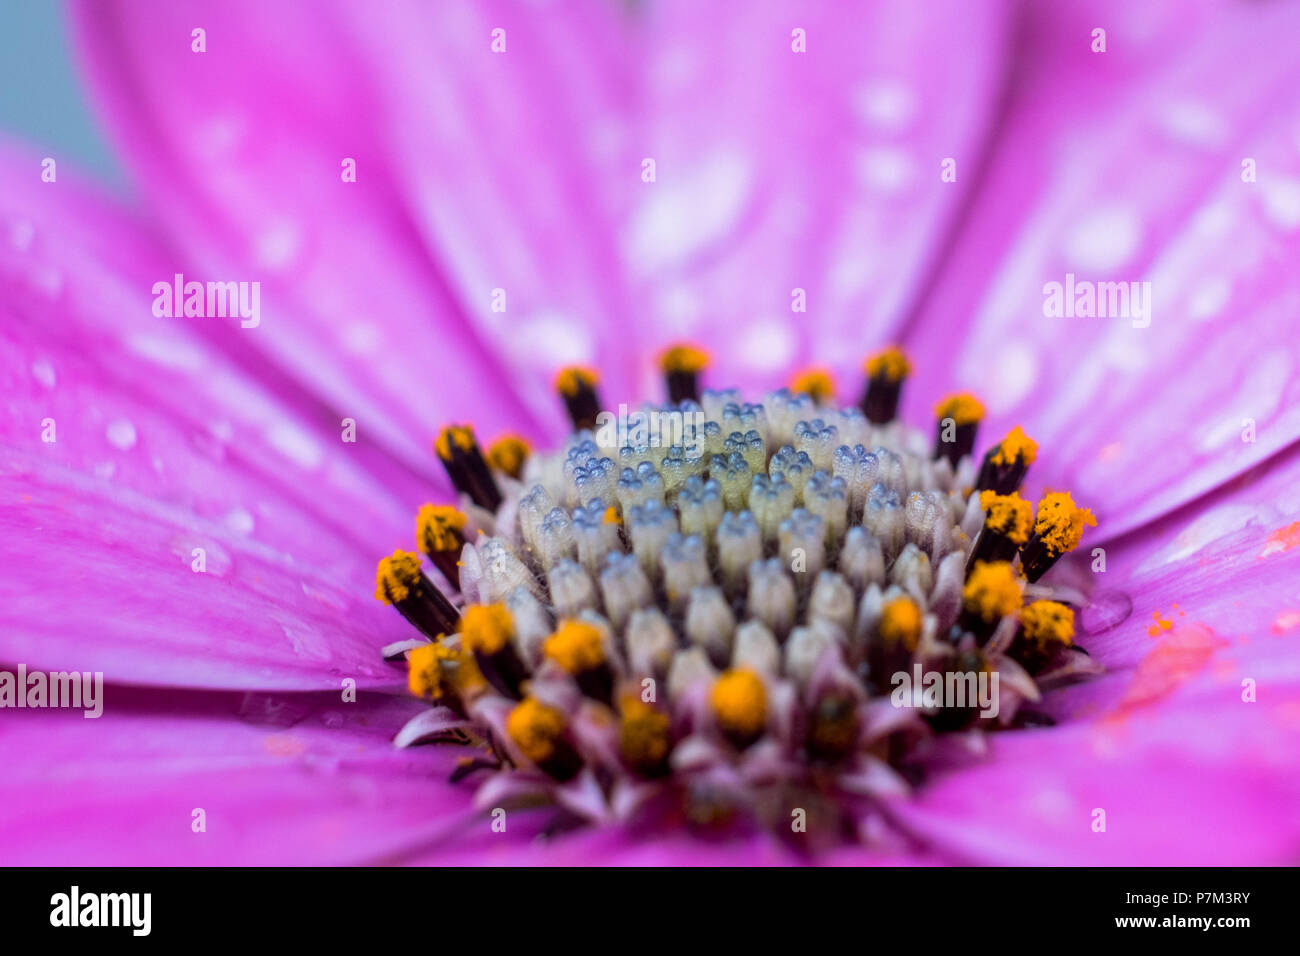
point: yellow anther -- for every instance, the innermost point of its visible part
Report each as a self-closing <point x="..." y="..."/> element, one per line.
<point x="643" y="733"/>
<point x="573" y="379"/>
<point x="439" y="528"/>
<point x="992" y="591"/>
<point x="683" y="358"/>
<point x="891" y="363"/>
<point x="576" y="646"/>
<point x="1009" y="515"/>
<point x="611" y="516"/>
<point x="963" y="408"/>
<point x="900" y="623"/>
<point x="424" y="674"/>
<point x="1060" y="522"/>
<point x="508" y="454"/>
<point x="438" y="671"/>
<point x="740" y="703"/>
<point x="1016" y="447"/>
<point x="452" y="437"/>
<point x="814" y="382"/>
<point x="1047" y="622"/>
<point x="535" y="728"/>
<point x="486" y="628"/>
<point x="397" y="577"/>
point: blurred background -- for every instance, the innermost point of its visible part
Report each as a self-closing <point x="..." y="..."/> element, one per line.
<point x="42" y="102"/>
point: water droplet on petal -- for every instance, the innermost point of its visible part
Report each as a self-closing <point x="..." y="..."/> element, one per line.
<point x="1106" y="611"/>
<point x="121" y="434"/>
<point x="21" y="234"/>
<point x="43" y="372"/>
<point x="240" y="521"/>
<point x="263" y="710"/>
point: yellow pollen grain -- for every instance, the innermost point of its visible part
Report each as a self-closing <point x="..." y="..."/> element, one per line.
<point x="992" y="591"/>
<point x="1009" y="515"/>
<point x="900" y="622"/>
<point x="611" y="516"/>
<point x="740" y="703"/>
<point x="508" y="454"/>
<point x="423" y="675"/>
<point x="439" y="528"/>
<point x="1161" y="623"/>
<point x="889" y="363"/>
<point x="1048" y="622"/>
<point x="814" y="382"/>
<point x="397" y="577"/>
<point x="643" y="733"/>
<point x="1060" y="522"/>
<point x="570" y="381"/>
<point x="437" y="671"/>
<point x="576" y="646"/>
<point x="535" y="728"/>
<point x="683" y="358"/>
<point x="963" y="408"/>
<point x="486" y="628"/>
<point x="1016" y="447"/>
<point x="452" y="437"/>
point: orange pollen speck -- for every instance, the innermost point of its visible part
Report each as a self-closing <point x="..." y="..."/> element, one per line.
<point x="1281" y="540"/>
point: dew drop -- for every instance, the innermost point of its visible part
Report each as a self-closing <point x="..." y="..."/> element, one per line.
<point x="121" y="434"/>
<point x="1106" y="611"/>
<point x="240" y="520"/>
<point x="43" y="372"/>
<point x="263" y="710"/>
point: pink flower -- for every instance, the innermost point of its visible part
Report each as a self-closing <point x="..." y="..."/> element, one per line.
<point x="182" y="514"/>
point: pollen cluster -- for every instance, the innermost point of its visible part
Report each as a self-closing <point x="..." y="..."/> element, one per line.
<point x="716" y="618"/>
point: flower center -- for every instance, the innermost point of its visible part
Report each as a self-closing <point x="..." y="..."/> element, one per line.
<point x="725" y="607"/>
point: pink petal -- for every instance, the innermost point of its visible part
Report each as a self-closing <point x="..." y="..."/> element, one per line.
<point x="779" y="170"/>
<point x="163" y="445"/>
<point x="1186" y="769"/>
<point x="301" y="780"/>
<point x="1211" y="594"/>
<point x="1127" y="166"/>
<point x="516" y="168"/>
<point x="1178" y="787"/>
<point x="240" y="151"/>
